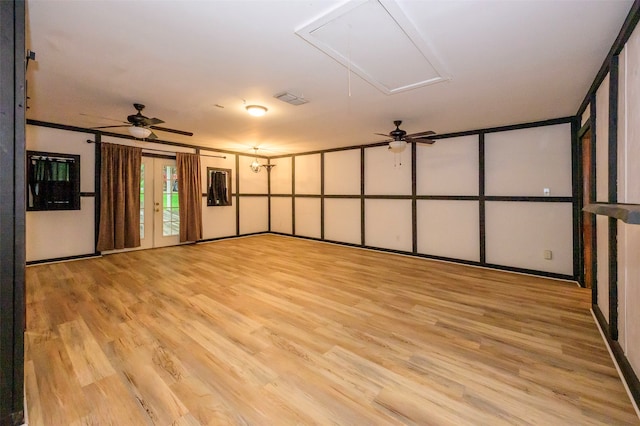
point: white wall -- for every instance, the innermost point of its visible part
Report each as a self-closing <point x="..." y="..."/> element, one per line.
<point x="218" y="221"/>
<point x="629" y="192"/>
<point x="307" y="181"/>
<point x="342" y="172"/>
<point x="449" y="228"/>
<point x="602" y="194"/>
<point x="517" y="163"/>
<point x="387" y="224"/>
<point x="45" y="228"/>
<point x="384" y="176"/>
<point x="526" y="161"/>
<point x="518" y="233"/>
<point x="55" y="234"/>
<point x="342" y="220"/>
<point x="449" y="167"/>
<point x="281" y="215"/>
<point x="281" y="176"/>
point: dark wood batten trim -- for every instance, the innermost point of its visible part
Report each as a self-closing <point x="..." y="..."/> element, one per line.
<point x="237" y="195"/>
<point x="533" y="199"/>
<point x="520" y="126"/>
<point x="307" y="195"/>
<point x="322" y="195"/>
<point x="414" y="201"/>
<point x="12" y="210"/>
<point x="362" y="198"/>
<point x="532" y="272"/>
<point x="231" y="237"/>
<point x="613" y="197"/>
<point x="64" y="259"/>
<point x="482" y="209"/>
<point x="97" y="185"/>
<point x="269" y="196"/>
<point x="293" y="194"/>
<point x="541" y="123"/>
<point x="129" y="137"/>
<point x="629" y="375"/>
<point x="630" y="23"/>
<point x="592" y="196"/>
<point x="87" y="194"/>
<point x="576" y="179"/>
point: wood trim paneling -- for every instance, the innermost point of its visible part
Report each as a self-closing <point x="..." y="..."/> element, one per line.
<point x="482" y="215"/>
<point x="613" y="197"/>
<point x="12" y="210"/>
<point x="630" y="23"/>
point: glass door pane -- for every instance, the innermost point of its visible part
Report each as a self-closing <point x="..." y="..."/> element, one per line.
<point x="170" y="207"/>
<point x="166" y="228"/>
<point x="142" y="201"/>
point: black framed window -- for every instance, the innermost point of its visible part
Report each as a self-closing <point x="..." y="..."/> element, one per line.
<point x="53" y="181"/>
<point x="218" y="187"/>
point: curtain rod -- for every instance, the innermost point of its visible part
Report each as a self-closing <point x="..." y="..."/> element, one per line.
<point x="172" y="152"/>
<point x="52" y="157"/>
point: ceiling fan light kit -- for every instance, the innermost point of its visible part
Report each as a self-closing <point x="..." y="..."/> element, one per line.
<point x="139" y="132"/>
<point x="400" y="138"/>
<point x="141" y="127"/>
<point x="256" y="110"/>
<point x="397" y="146"/>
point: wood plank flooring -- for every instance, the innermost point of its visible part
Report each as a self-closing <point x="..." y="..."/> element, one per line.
<point x="270" y="330"/>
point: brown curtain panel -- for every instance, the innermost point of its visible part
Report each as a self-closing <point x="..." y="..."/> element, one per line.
<point x="119" y="197"/>
<point x="189" y="196"/>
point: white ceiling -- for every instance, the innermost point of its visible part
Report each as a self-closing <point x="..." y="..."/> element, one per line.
<point x="509" y="62"/>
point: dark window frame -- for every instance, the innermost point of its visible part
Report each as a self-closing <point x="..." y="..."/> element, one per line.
<point x="212" y="199"/>
<point x="72" y="201"/>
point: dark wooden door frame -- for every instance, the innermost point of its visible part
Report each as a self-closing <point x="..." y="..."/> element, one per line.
<point x="12" y="210"/>
<point x="586" y="149"/>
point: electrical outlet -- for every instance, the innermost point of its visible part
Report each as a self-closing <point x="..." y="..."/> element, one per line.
<point x="546" y="192"/>
<point x="548" y="254"/>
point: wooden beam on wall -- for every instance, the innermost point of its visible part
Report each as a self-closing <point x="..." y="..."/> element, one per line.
<point x="12" y="210"/>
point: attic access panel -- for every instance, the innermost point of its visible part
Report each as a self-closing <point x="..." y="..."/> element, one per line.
<point x="375" y="40"/>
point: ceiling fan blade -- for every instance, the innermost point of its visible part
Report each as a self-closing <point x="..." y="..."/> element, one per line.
<point x="110" y="127"/>
<point x="382" y="134"/>
<point x="423" y="139"/>
<point x="103" y="118"/>
<point x="427" y="133"/>
<point x="179" y="132"/>
<point x="151" y="121"/>
<point x="152" y="136"/>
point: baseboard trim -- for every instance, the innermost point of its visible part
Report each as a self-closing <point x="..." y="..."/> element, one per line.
<point x="625" y="371"/>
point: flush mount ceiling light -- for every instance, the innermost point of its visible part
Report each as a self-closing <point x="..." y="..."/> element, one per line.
<point x="256" y="110"/>
<point x="139" y="132"/>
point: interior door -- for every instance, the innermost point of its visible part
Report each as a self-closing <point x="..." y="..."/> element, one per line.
<point x="159" y="209"/>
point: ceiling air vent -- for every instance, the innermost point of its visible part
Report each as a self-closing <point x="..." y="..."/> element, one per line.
<point x="290" y="98"/>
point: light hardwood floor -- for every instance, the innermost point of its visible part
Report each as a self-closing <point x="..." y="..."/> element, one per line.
<point x="270" y="330"/>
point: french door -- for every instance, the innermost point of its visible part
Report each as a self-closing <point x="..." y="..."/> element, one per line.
<point x="159" y="209"/>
